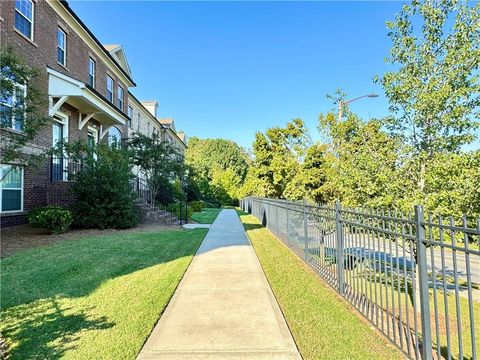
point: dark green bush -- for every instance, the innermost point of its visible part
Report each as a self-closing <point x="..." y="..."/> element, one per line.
<point x="104" y="192"/>
<point x="196" y="206"/>
<point x="53" y="218"/>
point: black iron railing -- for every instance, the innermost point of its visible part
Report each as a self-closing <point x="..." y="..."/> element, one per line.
<point x="65" y="169"/>
<point x="171" y="209"/>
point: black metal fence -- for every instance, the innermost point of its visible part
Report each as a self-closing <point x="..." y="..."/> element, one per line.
<point x="171" y="210"/>
<point x="414" y="277"/>
<point x="64" y="169"/>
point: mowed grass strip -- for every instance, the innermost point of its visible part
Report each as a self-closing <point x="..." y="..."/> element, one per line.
<point x="206" y="216"/>
<point x="96" y="298"/>
<point x="322" y="324"/>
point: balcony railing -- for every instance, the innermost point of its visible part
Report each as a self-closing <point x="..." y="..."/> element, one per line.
<point x="64" y="169"/>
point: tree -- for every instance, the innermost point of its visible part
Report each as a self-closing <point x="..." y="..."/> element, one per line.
<point x="159" y="162"/>
<point x="433" y="94"/>
<point x="309" y="182"/>
<point x="221" y="167"/>
<point x="363" y="161"/>
<point x="22" y="114"/>
<point x="277" y="157"/>
<point x="104" y="197"/>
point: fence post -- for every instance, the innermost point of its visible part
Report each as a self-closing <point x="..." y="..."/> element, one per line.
<point x="339" y="238"/>
<point x="276" y="219"/>
<point x="422" y="278"/>
<point x="288" y="228"/>
<point x="305" y="229"/>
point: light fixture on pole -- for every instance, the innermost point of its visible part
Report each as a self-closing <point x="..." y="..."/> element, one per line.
<point x="341" y="103"/>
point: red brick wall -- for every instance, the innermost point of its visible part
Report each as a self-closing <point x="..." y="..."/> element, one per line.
<point x="40" y="53"/>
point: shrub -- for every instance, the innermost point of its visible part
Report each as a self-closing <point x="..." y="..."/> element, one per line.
<point x="104" y="192"/>
<point x="53" y="218"/>
<point x="196" y="206"/>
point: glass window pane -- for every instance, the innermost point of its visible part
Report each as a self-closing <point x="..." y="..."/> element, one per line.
<point x="25" y="8"/>
<point x="60" y="56"/>
<point x="11" y="177"/>
<point x="57" y="133"/>
<point x="11" y="200"/>
<point x="114" y="137"/>
<point x="91" y="66"/>
<point x="6" y="115"/>
<point x="61" y="39"/>
<point x="23" y="25"/>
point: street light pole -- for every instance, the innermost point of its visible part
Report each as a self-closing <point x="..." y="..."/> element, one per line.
<point x="341" y="103"/>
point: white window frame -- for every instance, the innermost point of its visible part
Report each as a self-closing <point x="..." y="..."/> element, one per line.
<point x="64" y="49"/>
<point x="94" y="67"/>
<point x="130" y="115"/>
<point x="16" y="86"/>
<point x="20" y="188"/>
<point x="62" y="118"/>
<point x="110" y="91"/>
<point x="93" y="130"/>
<point x="119" y="142"/>
<point x="120" y="98"/>
<point x="31" y="21"/>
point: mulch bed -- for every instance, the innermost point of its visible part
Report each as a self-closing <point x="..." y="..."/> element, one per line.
<point x="20" y="237"/>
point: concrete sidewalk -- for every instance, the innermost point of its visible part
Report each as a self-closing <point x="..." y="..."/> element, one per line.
<point x="223" y="307"/>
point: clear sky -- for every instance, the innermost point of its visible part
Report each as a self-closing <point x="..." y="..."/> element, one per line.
<point x="228" y="69"/>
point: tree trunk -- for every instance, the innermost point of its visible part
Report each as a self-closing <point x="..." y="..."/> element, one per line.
<point x="421" y="175"/>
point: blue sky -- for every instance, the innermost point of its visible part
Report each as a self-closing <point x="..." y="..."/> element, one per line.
<point x="228" y="69"/>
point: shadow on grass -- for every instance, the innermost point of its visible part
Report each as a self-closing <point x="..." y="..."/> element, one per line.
<point x="249" y="225"/>
<point x="38" y="286"/>
<point x="47" y="328"/>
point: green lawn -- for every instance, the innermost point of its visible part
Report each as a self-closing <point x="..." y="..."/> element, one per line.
<point x="324" y="325"/>
<point x="95" y="298"/>
<point x="206" y="216"/>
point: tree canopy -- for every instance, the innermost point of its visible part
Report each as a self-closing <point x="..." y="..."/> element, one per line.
<point x="220" y="166"/>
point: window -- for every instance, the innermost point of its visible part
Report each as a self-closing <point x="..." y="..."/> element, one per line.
<point x="92" y="137"/>
<point x="120" y="97"/>
<point x="109" y="89"/>
<point x="138" y="122"/>
<point x="11" y="185"/>
<point x="130" y="115"/>
<point x="114" y="137"/>
<point x="12" y="107"/>
<point x="59" y="170"/>
<point x="61" y="47"/>
<point x="91" y="72"/>
<point x="24" y="17"/>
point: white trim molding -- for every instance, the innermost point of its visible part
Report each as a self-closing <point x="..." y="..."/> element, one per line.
<point x="80" y="96"/>
<point x="55" y="107"/>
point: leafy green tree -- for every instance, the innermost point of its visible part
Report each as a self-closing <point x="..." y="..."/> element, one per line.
<point x="159" y="162"/>
<point x="22" y="114"/>
<point x="309" y="182"/>
<point x="452" y="186"/>
<point x="103" y="190"/>
<point x="277" y="157"/>
<point x="365" y="161"/>
<point x="433" y="92"/>
<point x="220" y="166"/>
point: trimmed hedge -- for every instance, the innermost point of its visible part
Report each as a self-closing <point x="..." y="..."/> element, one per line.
<point x="53" y="218"/>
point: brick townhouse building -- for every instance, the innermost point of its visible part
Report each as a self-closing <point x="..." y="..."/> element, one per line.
<point x="87" y="85"/>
